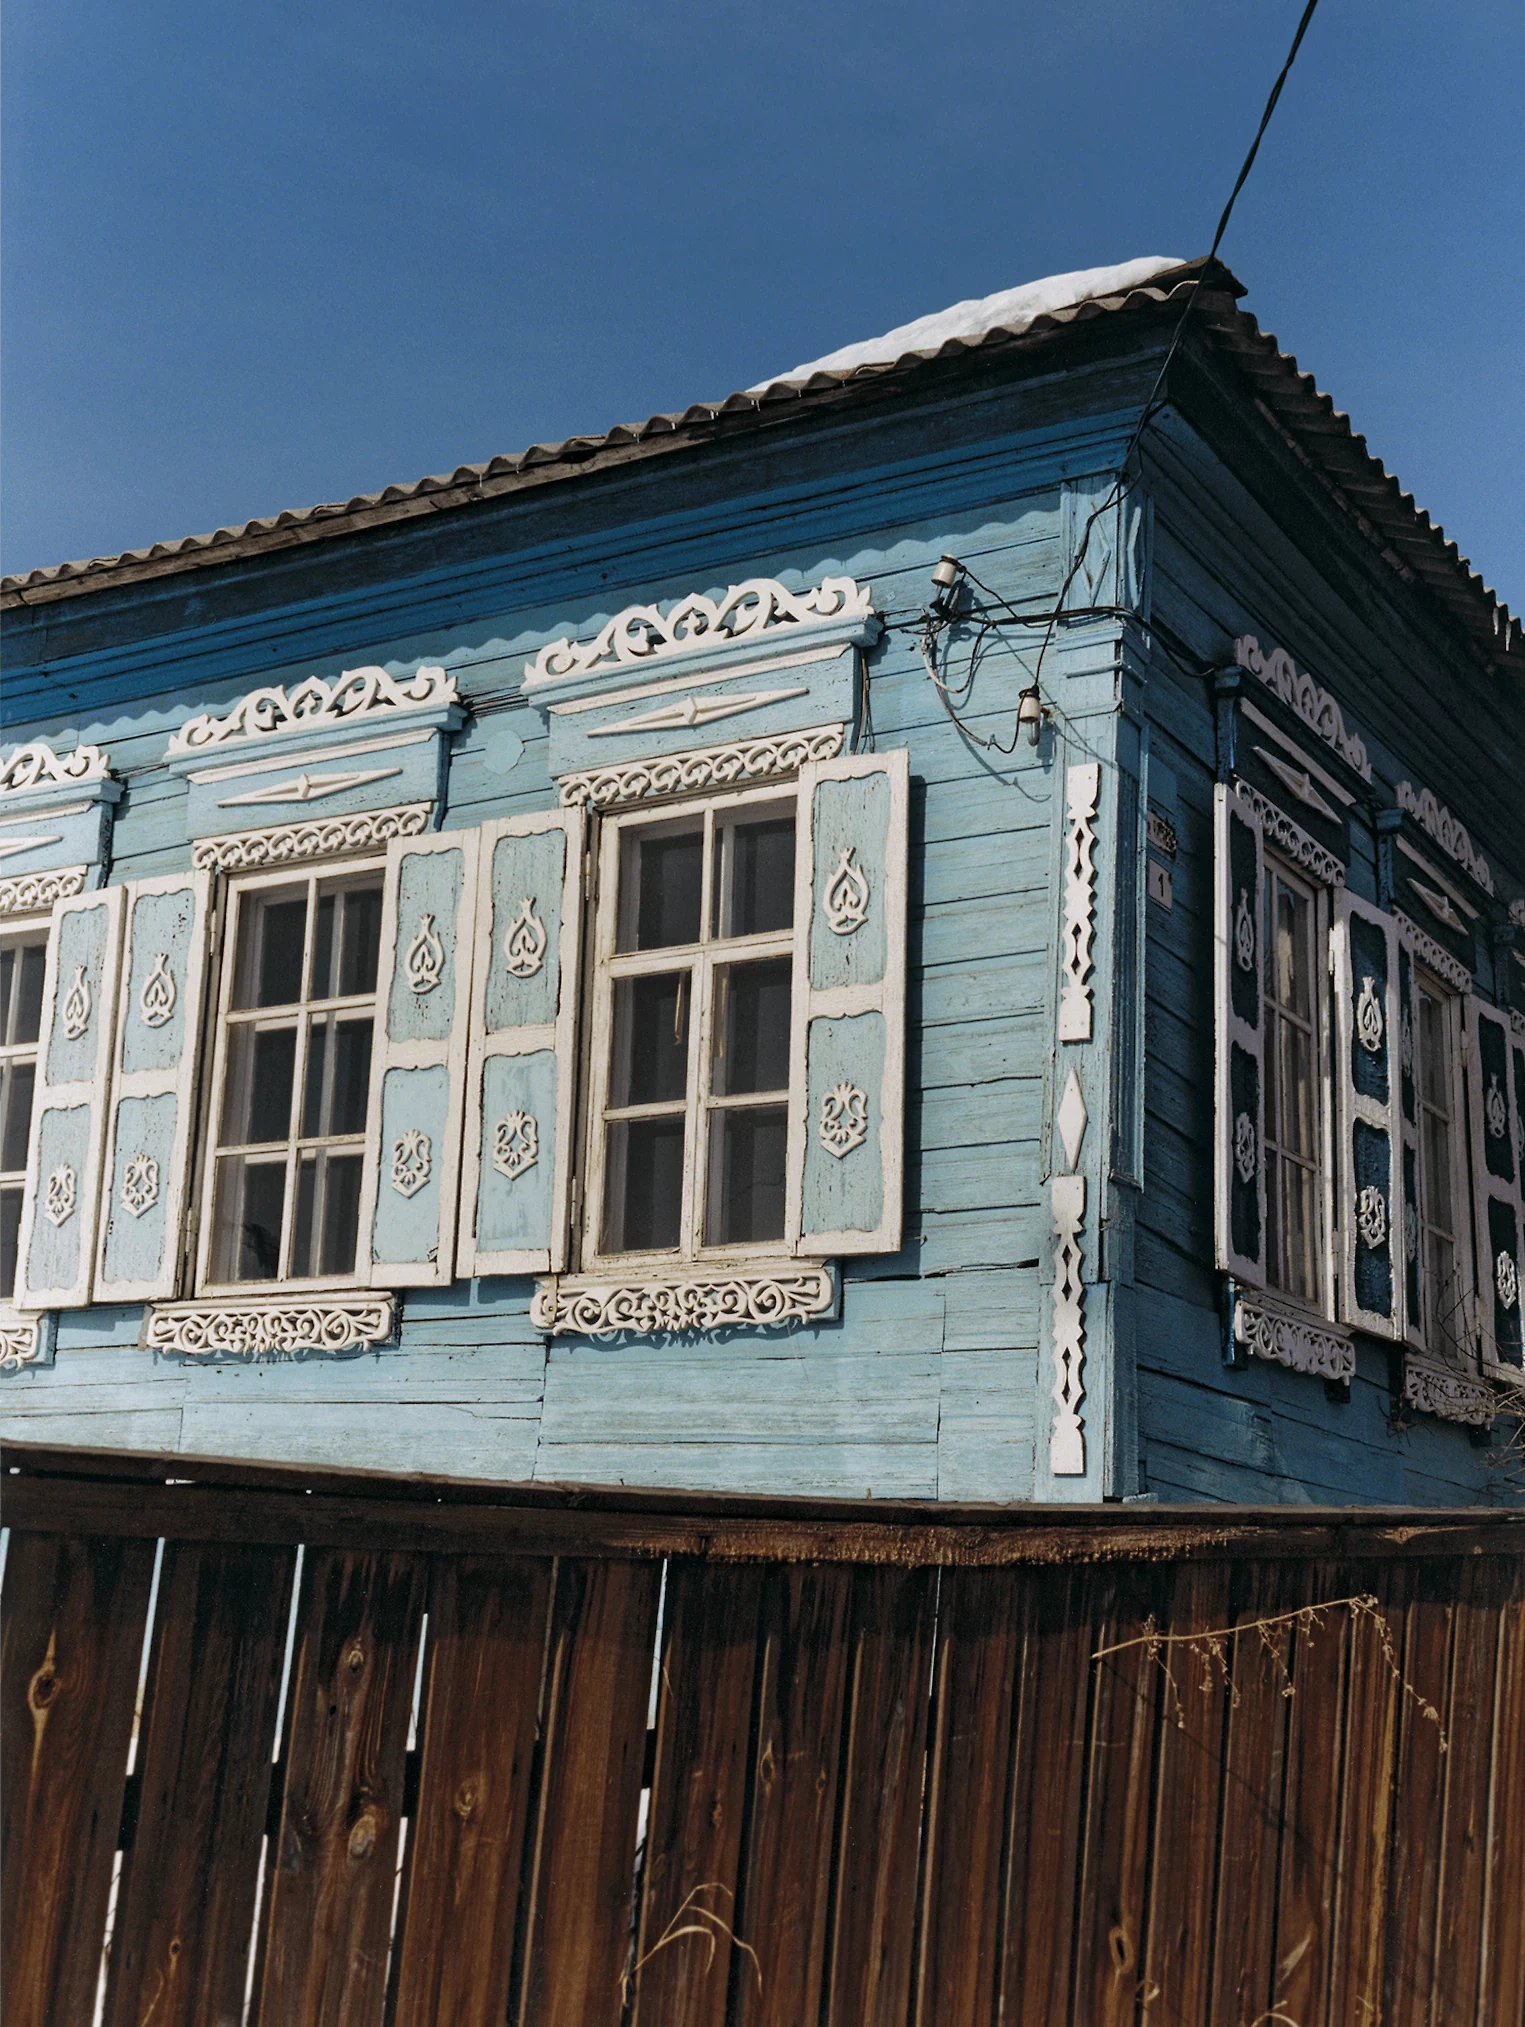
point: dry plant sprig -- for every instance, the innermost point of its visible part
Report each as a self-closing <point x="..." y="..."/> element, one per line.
<point x="1211" y="1646"/>
<point x="691" y="1907"/>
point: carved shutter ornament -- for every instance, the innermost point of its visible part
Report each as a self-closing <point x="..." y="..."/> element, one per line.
<point x="156" y="1002"/>
<point x="1371" y="1217"/>
<point x="140" y="1185"/>
<point x="412" y="1162"/>
<point x="1406" y="1042"/>
<point x="78" y="1004"/>
<point x="1410" y="1232"/>
<point x="1495" y="1110"/>
<point x="424" y="959"/>
<point x="1246" y="1153"/>
<point x="1370" y="1023"/>
<point x="1244" y="932"/>
<point x="846" y="898"/>
<point x="515" y="1144"/>
<point x="1506" y="1280"/>
<point x="62" y="1194"/>
<point x="844" y="1119"/>
<point x="524" y="949"/>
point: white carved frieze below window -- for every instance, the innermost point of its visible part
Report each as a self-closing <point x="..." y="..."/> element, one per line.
<point x="750" y="1300"/>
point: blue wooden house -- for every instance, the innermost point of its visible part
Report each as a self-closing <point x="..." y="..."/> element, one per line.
<point x="850" y="939"/>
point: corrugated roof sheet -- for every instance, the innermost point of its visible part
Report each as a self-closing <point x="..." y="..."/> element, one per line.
<point x="1307" y="419"/>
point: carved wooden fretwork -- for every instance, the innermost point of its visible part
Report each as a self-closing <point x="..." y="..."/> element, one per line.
<point x="1433" y="954"/>
<point x="1298" y="782"/>
<point x="321" y="838"/>
<point x="515" y="1144"/>
<point x="61" y="1196"/>
<point x="34" y="893"/>
<point x="1517" y="914"/>
<point x="1292" y="1341"/>
<point x="36" y="765"/>
<point x="1449" y="832"/>
<point x="271" y="1329"/>
<point x="1066" y="1442"/>
<point x="1082" y="787"/>
<point x="1452" y="1396"/>
<point x="1292" y="838"/>
<point x="524" y="945"/>
<point x="20" y="1342"/>
<point x="412" y="1161"/>
<point x="424" y="959"/>
<point x="715" y="767"/>
<point x="752" y="611"/>
<point x="748" y="1300"/>
<point x="140" y="1185"/>
<point x="156" y="1002"/>
<point x="1299" y="692"/>
<point x="845" y="902"/>
<point x="1161" y="833"/>
<point x="844" y="1119"/>
<point x="358" y="696"/>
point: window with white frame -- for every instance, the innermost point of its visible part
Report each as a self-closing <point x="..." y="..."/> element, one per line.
<point x="691" y="1031"/>
<point x="296" y="1015"/>
<point x="1440" y="1229"/>
<point x="22" y="961"/>
<point x="1296" y="1080"/>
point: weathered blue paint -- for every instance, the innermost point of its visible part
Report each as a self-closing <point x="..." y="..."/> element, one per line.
<point x="63" y="1146"/>
<point x="525" y="869"/>
<point x="158" y="940"/>
<point x="844" y="1193"/>
<point x="851" y="824"/>
<point x="135" y="1245"/>
<point x="405" y="1228"/>
<point x="515" y="1212"/>
<point x="81" y="959"/>
<point x="430" y="889"/>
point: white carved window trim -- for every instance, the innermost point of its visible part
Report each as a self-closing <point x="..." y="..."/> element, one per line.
<point x="693" y="1258"/>
<point x="248" y="1295"/>
<point x="20" y="1336"/>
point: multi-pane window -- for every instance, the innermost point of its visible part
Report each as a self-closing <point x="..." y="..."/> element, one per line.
<point x="292" y="1080"/>
<point x="1294" y="1083"/>
<point x="1436" y="1054"/>
<point x="21" y="966"/>
<point x="695" y="944"/>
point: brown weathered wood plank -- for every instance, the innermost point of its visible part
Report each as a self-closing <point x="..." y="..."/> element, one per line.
<point x="328" y="1914"/>
<point x="1188" y="1791"/>
<point x="1468" y="1719"/>
<point x="1358" y="1926"/>
<point x="69" y="1658"/>
<point x="1418" y="1802"/>
<point x="698" y="1797"/>
<point x="179" y="1951"/>
<point x="982" y="1626"/>
<point x="787" y="1866"/>
<point x="482" y="1668"/>
<point x="893" y="1626"/>
<point x="598" y="1676"/>
<point x="1311" y="1826"/>
<point x="1503" y="1973"/>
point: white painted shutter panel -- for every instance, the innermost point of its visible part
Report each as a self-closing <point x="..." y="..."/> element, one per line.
<point x="1368" y="1117"/>
<point x="153" y="1096"/>
<point x="847" y="1045"/>
<point x="1239" y="1162"/>
<point x="418" y="1060"/>
<point x="1408" y="1109"/>
<point x="1496" y="1141"/>
<point x="521" y="1080"/>
<point x="56" y="1243"/>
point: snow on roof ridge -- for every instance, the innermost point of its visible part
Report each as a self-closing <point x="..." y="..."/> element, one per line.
<point x="1007" y="310"/>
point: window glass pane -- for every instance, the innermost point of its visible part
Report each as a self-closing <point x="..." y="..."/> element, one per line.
<point x="1433" y="1065"/>
<point x="754" y="872"/>
<point x="746" y="1187"/>
<point x="644" y="1185"/>
<point x="346" y="941"/>
<point x="21" y="967"/>
<point x="338" y="1078"/>
<point x="10" y="1226"/>
<point x="327" y="1221"/>
<point x="651" y="1017"/>
<point x="661" y="875"/>
<point x="16" y="1081"/>
<point x="272" y="928"/>
<point x="256" y="1105"/>
<point x="246" y="1218"/>
<point x="751" y="1027"/>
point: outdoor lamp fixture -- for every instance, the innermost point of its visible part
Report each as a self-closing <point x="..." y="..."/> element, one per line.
<point x="1030" y="712"/>
<point x="947" y="581"/>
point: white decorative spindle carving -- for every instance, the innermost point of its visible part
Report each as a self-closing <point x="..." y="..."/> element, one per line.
<point x="844" y="1119"/>
<point x="515" y="1144"/>
<point x="156" y="1002"/>
<point x="1314" y="706"/>
<point x="79" y="1003"/>
<point x="751" y="1301"/>
<point x="1449" y="832"/>
<point x="1082" y="788"/>
<point x="714" y="767"/>
<point x="412" y="1161"/>
<point x="140" y="1185"/>
<point x="1067" y="1202"/>
<point x="423" y="961"/>
<point x="845" y="902"/>
<point x="61" y="1194"/>
<point x="524" y="946"/>
<point x="358" y="695"/>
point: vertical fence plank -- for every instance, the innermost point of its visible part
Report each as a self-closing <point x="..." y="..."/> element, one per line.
<point x="1048" y="1778"/>
<point x="1249" y="1836"/>
<point x="893" y="1624"/>
<point x="786" y="1894"/>
<point x="698" y="1796"/>
<point x="1468" y="1719"/>
<point x="73" y="1639"/>
<point x="179" y="1953"/>
<point x="598" y="1674"/>
<point x="980" y="1640"/>
<point x="1188" y="1778"/>
<point x="1315" y="1725"/>
<point x="1357" y="1942"/>
<point x="1418" y="1801"/>
<point x="1114" y="1856"/>
<point x="1503" y="1974"/>
<point x="487" y="1631"/>
<point x="329" y="1912"/>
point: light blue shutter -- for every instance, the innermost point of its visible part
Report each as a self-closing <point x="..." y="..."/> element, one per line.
<point x="418" y="1061"/>
<point x="521" y="1082"/>
<point x="153" y="1099"/>
<point x="56" y="1243"/>
<point x="1368" y="1117"/>
<point x="847" y="1082"/>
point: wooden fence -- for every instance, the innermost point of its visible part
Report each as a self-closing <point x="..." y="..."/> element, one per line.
<point x="355" y="1749"/>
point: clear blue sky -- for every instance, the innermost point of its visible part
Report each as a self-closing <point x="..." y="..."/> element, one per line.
<point x="261" y="256"/>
